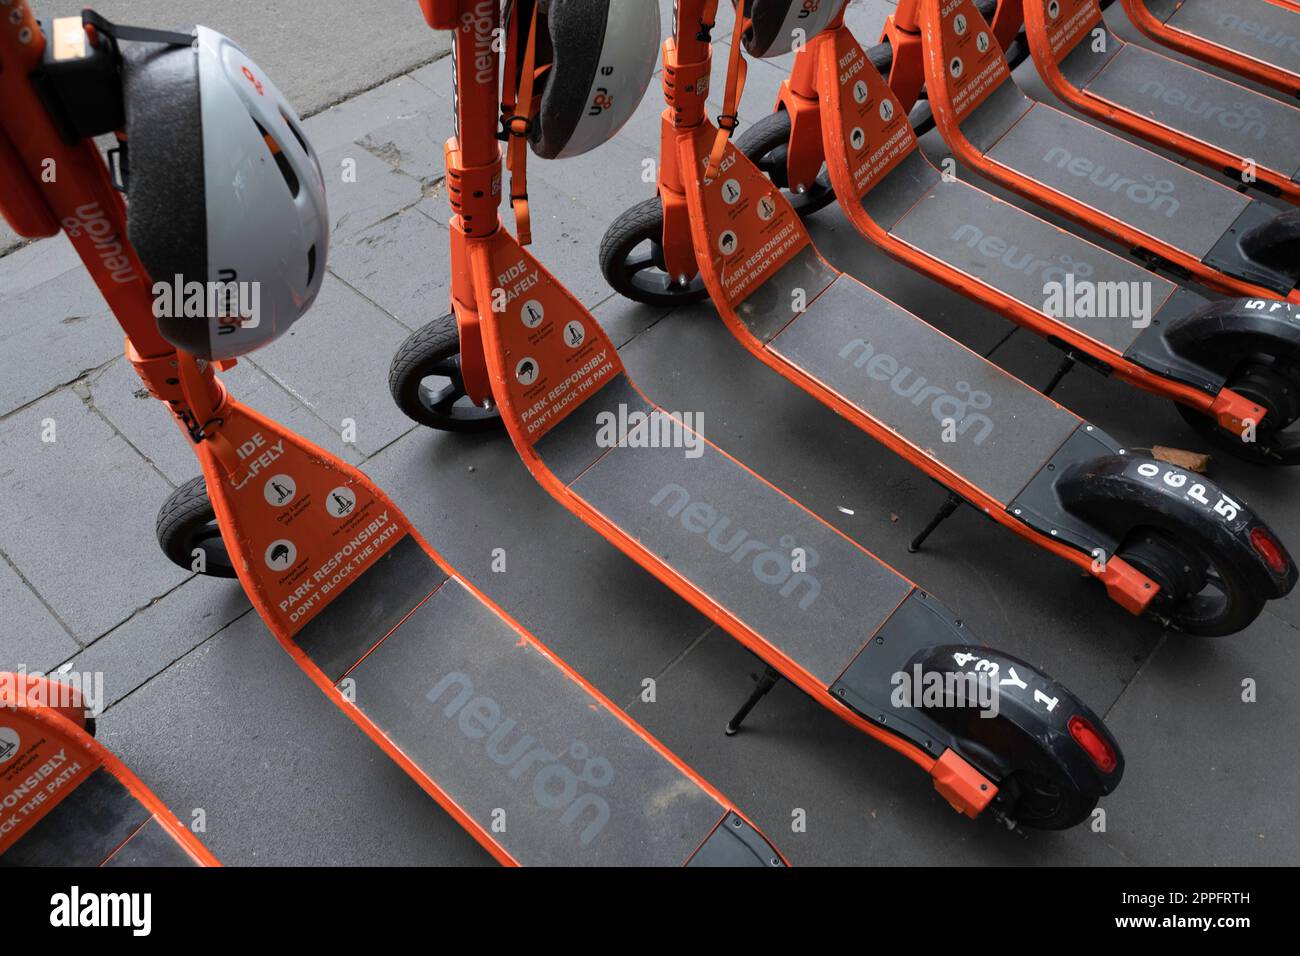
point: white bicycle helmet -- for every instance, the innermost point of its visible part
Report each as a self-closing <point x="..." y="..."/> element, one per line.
<point x="602" y="56"/>
<point x="776" y="24"/>
<point x="223" y="187"/>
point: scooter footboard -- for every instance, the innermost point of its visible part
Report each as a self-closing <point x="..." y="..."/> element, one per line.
<point x="68" y="801"/>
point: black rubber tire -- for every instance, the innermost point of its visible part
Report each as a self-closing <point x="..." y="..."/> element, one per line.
<point x="1040" y="803"/>
<point x="1166" y="558"/>
<point x="434" y="349"/>
<point x="765" y="145"/>
<point x="187" y="522"/>
<point x="641" y="277"/>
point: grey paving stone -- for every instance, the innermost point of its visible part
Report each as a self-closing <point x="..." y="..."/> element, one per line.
<point x="623" y="320"/>
<point x="77" y="515"/>
<point x="51" y="334"/>
<point x="377" y="191"/>
<point x="285" y="778"/>
<point x="414" y="143"/>
<point x="864" y="805"/>
<point x="162" y="633"/>
<point x="349" y="121"/>
<point x="400" y="264"/>
<point x="31" y="638"/>
<point x="1207" y="773"/>
<point x="36" y="263"/>
<point x="336" y="363"/>
<point x="470" y="494"/>
<point x="120" y="396"/>
<point x="9" y="240"/>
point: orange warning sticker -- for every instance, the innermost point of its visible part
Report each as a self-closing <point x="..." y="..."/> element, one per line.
<point x="969" y="64"/>
<point x="1066" y="22"/>
<point x="554" y="354"/>
<point x="39" y="767"/>
<point x="750" y="228"/>
<point x="873" y="132"/>
<point x="306" y="526"/>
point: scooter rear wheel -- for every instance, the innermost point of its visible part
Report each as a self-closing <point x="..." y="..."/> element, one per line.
<point x="425" y="381"/>
<point x="1200" y="593"/>
<point x="632" y="259"/>
<point x="1041" y="803"/>
<point x="187" y="523"/>
<point x="766" y="144"/>
<point x="1273" y="383"/>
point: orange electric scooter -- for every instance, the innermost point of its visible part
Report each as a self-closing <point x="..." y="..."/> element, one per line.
<point x="1170" y="216"/>
<point x="1161" y="539"/>
<point x="68" y="801"/>
<point x="838" y="121"/>
<point x="535" y="763"/>
<point x="1251" y="138"/>
<point x="814" y="605"/>
<point x="1257" y="39"/>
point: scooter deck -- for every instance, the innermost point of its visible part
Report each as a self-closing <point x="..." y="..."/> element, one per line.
<point x="99" y="824"/>
<point x="1118" y="179"/>
<point x="1177" y="95"/>
<point x="1267" y="32"/>
<point x="888" y="368"/>
<point x="67" y="801"/>
<point x="525" y="755"/>
<point x="952" y="229"/>
<point x="1100" y="180"/>
<point x="510" y="738"/>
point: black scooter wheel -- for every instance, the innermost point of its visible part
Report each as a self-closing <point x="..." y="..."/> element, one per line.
<point x="766" y="144"/>
<point x="187" y="523"/>
<point x="632" y="260"/>
<point x="1037" y="801"/>
<point x="1200" y="593"/>
<point x="426" y="383"/>
<point x="1273" y="383"/>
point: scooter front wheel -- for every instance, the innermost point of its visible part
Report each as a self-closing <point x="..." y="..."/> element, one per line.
<point x="767" y="145"/>
<point x="1272" y="383"/>
<point x="187" y="531"/>
<point x="632" y="260"/>
<point x="425" y="381"/>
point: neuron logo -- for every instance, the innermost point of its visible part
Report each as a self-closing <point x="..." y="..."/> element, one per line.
<point x="944" y="405"/>
<point x="554" y="785"/>
<point x="1153" y="194"/>
<point x="786" y="570"/>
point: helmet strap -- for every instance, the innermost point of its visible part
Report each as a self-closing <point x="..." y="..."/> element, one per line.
<point x="517" y="107"/>
<point x="728" y="120"/>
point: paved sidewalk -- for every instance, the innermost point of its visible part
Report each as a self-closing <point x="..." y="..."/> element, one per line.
<point x="211" y="713"/>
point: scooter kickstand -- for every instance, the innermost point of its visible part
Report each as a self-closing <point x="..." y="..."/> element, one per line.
<point x="765" y="683"/>
<point x="953" y="502"/>
<point x="1066" y="365"/>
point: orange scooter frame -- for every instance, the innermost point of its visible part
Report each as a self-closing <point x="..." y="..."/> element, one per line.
<point x="835" y="339"/>
<point x="1206" y="44"/>
<point x="555" y="376"/>
<point x="408" y="649"/>
<point x="54" y="776"/>
<point x="1249" y="137"/>
<point x="842" y="113"/>
<point x="1191" y="225"/>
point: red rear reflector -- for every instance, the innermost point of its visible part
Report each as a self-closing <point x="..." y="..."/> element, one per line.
<point x="1268" y="548"/>
<point x="1093" y="744"/>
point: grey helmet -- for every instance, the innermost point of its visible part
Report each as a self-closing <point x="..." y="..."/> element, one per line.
<point x="225" y="191"/>
<point x="775" y="24"/>
<point x="602" y="56"/>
